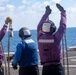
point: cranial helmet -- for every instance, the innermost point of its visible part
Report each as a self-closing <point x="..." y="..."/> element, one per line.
<point x="48" y="27"/>
<point x="24" y="32"/>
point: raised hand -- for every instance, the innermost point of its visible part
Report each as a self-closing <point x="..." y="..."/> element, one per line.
<point x="60" y="7"/>
<point x="48" y="10"/>
<point x="8" y="19"/>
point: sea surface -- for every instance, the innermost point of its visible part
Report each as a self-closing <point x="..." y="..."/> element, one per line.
<point x="70" y="39"/>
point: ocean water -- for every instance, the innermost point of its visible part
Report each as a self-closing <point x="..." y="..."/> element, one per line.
<point x="70" y="39"/>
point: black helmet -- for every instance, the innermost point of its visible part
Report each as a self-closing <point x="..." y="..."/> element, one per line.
<point x="24" y="32"/>
<point x="48" y="27"/>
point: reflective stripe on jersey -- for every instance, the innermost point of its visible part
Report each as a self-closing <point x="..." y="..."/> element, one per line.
<point x="29" y="41"/>
<point x="46" y="40"/>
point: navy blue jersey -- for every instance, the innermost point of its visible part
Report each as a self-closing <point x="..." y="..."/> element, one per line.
<point x="26" y="53"/>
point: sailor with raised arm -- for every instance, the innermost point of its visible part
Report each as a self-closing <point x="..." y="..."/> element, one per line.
<point x="2" y="33"/>
<point x="49" y="42"/>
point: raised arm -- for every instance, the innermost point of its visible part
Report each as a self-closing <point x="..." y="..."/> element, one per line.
<point x="63" y="14"/>
<point x="44" y="17"/>
<point x="62" y="27"/>
<point x="4" y="29"/>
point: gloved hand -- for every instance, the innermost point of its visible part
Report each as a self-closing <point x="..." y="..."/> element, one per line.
<point x="8" y="19"/>
<point x="60" y="7"/>
<point x="10" y="58"/>
<point x="48" y="10"/>
<point x="14" y="66"/>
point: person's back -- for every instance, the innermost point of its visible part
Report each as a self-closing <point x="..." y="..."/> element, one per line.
<point x="49" y="50"/>
<point x="29" y="53"/>
<point x="49" y="42"/>
<point x="26" y="54"/>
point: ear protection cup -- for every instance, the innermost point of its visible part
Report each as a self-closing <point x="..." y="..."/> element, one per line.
<point x="53" y="28"/>
<point x="21" y="34"/>
<point x="48" y="27"/>
<point x="24" y="32"/>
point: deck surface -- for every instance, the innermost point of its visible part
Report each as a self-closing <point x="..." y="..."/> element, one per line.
<point x="71" y="60"/>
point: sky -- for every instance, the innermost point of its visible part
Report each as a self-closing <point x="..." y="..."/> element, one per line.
<point x="27" y="13"/>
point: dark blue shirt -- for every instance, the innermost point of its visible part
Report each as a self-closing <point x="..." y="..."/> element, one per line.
<point x="26" y="53"/>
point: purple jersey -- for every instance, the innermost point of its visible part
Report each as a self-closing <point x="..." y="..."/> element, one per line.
<point x="2" y="33"/>
<point x="49" y="45"/>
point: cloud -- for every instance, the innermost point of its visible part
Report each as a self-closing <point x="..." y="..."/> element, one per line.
<point x="6" y="11"/>
<point x="27" y="1"/>
<point x="56" y="1"/>
<point x="72" y="10"/>
<point x="30" y="12"/>
<point x="31" y="15"/>
<point x="10" y="8"/>
<point x="24" y="1"/>
<point x="71" y="16"/>
<point x="3" y="1"/>
<point x="21" y="7"/>
<point x="2" y="9"/>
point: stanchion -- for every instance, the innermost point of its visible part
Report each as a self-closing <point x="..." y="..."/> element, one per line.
<point x="10" y="34"/>
<point x="65" y="53"/>
<point x="4" y="70"/>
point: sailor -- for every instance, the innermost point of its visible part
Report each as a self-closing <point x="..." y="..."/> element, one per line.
<point x="2" y="33"/>
<point x="49" y="42"/>
<point x="26" y="55"/>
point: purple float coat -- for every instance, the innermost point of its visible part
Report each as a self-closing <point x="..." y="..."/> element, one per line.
<point x="49" y="45"/>
<point x="2" y="33"/>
